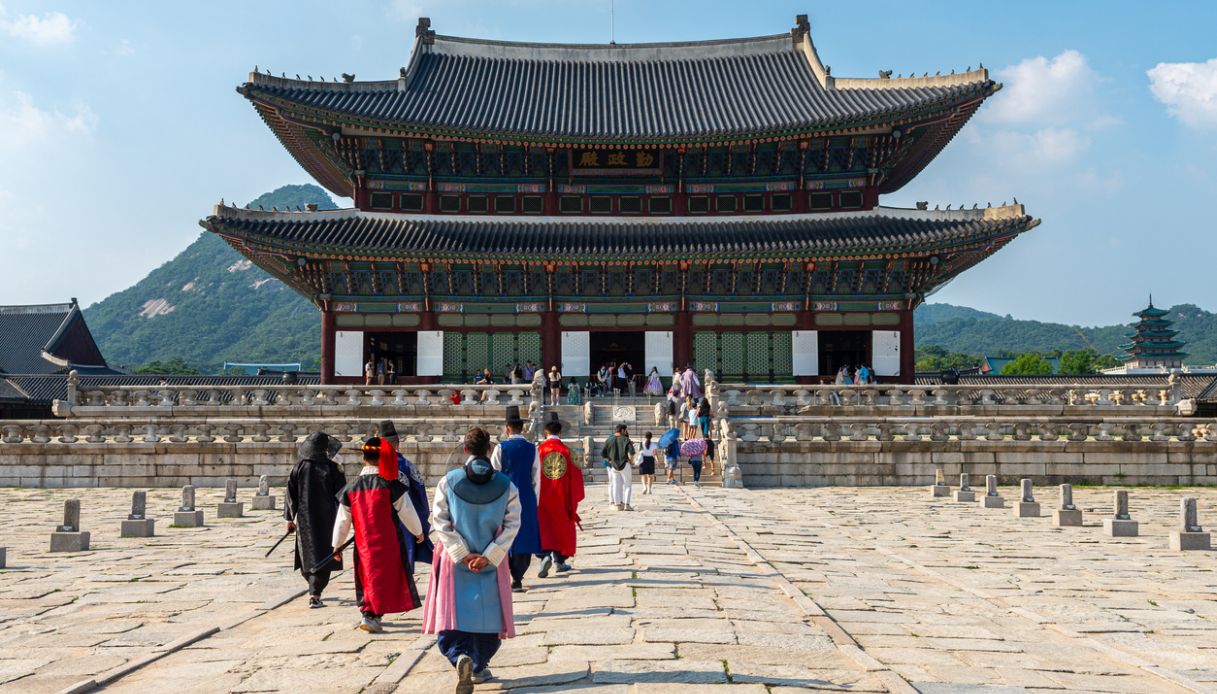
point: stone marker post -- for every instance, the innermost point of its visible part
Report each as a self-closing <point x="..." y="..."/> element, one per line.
<point x="992" y="498"/>
<point x="1027" y="506"/>
<point x="3" y="557"/>
<point x="1066" y="514"/>
<point x="138" y="524"/>
<point x="230" y="507"/>
<point x="187" y="516"/>
<point x="1121" y="523"/>
<point x="68" y="537"/>
<point x="940" y="487"/>
<point x="1189" y="535"/>
<point x="965" y="492"/>
<point x="263" y="499"/>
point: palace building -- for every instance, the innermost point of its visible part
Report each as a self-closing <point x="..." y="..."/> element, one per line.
<point x="713" y="203"/>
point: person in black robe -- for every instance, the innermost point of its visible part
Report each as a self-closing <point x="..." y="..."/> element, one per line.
<point x="312" y="508"/>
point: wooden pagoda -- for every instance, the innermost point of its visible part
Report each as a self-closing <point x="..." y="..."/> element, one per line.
<point x="711" y="203"/>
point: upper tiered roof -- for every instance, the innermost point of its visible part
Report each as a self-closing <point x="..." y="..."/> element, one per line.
<point x="662" y="94"/>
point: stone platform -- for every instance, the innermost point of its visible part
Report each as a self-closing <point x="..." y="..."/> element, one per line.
<point x="861" y="589"/>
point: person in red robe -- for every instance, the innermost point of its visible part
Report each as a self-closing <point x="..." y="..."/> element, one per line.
<point x="558" y="502"/>
<point x="384" y="581"/>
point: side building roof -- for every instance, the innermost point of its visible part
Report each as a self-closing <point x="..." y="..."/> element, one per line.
<point x="46" y="339"/>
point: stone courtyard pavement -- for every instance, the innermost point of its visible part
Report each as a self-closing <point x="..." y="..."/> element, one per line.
<point x="854" y="589"/>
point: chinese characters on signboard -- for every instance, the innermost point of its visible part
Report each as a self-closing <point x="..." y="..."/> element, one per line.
<point x="634" y="162"/>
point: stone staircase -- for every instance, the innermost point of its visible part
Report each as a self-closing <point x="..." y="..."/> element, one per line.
<point x="638" y="413"/>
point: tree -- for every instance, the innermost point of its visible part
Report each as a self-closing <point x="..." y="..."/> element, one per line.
<point x="1079" y="362"/>
<point x="1028" y="364"/>
<point x="935" y="358"/>
<point x="1106" y="361"/>
<point x="170" y="367"/>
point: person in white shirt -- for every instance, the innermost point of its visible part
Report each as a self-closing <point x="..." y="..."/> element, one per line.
<point x="647" y="454"/>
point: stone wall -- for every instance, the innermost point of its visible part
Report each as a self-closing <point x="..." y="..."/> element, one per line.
<point x="864" y="463"/>
<point x="138" y="464"/>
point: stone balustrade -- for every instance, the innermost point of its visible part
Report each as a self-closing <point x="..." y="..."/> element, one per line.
<point x="830" y="397"/>
<point x="992" y="429"/>
<point x="237" y="400"/>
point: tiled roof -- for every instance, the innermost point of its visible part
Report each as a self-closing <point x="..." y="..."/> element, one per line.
<point x="45" y="339"/>
<point x="45" y="388"/>
<point x="827" y="234"/>
<point x="622" y="92"/>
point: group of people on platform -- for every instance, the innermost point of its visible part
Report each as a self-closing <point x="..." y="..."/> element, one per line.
<point x="380" y="371"/>
<point x="479" y="530"/>
<point x="860" y="376"/>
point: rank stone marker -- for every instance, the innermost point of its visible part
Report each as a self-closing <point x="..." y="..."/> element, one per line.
<point x="3" y="557"/>
<point x="965" y="492"/>
<point x="1121" y="523"/>
<point x="1190" y="535"/>
<point x="1027" y="506"/>
<point x="263" y="499"/>
<point x="187" y="516"/>
<point x="137" y="525"/>
<point x="992" y="498"/>
<point x="940" y="487"/>
<point x="1066" y="514"/>
<point x="68" y="537"/>
<point x="230" y="507"/>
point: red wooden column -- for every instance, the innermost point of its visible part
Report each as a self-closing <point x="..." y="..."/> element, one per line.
<point x="327" y="347"/>
<point x="907" y="351"/>
<point x="682" y="340"/>
<point x="551" y="341"/>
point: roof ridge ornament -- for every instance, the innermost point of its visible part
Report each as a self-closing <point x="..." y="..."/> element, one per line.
<point x="802" y="26"/>
<point x="424" y="32"/>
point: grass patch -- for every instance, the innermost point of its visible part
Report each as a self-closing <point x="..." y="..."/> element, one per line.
<point x="1152" y="602"/>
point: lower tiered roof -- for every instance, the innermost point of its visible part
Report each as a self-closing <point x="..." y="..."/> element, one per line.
<point x="359" y="235"/>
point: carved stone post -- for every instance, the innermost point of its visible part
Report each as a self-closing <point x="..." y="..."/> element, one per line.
<point x="1121" y="523"/>
<point x="138" y="524"/>
<point x="1066" y="514"/>
<point x="69" y="537"/>
<point x="187" y="516"/>
<point x="1027" y="506"/>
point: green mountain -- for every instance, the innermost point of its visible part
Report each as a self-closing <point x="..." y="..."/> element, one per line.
<point x="961" y="329"/>
<point x="210" y="305"/>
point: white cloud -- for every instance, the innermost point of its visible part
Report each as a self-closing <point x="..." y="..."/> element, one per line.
<point x="52" y="28"/>
<point x="124" y="48"/>
<point x="1031" y="151"/>
<point x="1189" y="91"/>
<point x="23" y="125"/>
<point x="1044" y="91"/>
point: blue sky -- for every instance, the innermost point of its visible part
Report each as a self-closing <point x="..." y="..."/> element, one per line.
<point x="120" y="126"/>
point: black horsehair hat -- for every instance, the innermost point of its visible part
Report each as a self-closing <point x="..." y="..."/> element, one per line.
<point x="513" y="416"/>
<point x="387" y="430"/>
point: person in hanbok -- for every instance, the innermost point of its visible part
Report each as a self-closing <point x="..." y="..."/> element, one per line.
<point x="654" y="385"/>
<point x="312" y="507"/>
<point x="689" y="384"/>
<point x="409" y="475"/>
<point x="558" y="506"/>
<point x="573" y="396"/>
<point x="376" y="506"/>
<point x="474" y="520"/>
<point x="516" y="457"/>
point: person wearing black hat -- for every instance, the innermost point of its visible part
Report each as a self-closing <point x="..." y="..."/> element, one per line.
<point x="558" y="507"/>
<point x="312" y="507"/>
<point x="408" y="475"/>
<point x="475" y="517"/>
<point x="517" y="458"/>
<point x="384" y="522"/>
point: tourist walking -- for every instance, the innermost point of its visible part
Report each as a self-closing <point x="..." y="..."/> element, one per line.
<point x="646" y="463"/>
<point x="674" y="405"/>
<point x="554" y="379"/>
<point x="475" y="519"/>
<point x="703" y="417"/>
<point x="689" y="384"/>
<point x="710" y="455"/>
<point x="369" y="371"/>
<point x="517" y="458"/>
<point x="311" y="509"/>
<point x="371" y="506"/>
<point x="618" y="451"/>
<point x="654" y="385"/>
<point x="416" y="488"/>
<point x="695" y="463"/>
<point x="671" y="453"/>
<point x="558" y="506"/>
<point x="865" y="375"/>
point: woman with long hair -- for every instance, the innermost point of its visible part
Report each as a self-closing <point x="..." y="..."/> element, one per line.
<point x="646" y="465"/>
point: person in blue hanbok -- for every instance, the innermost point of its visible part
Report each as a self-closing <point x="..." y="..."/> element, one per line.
<point x="417" y="493"/>
<point x="517" y="458"/>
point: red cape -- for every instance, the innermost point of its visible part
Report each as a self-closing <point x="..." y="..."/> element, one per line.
<point x="561" y="492"/>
